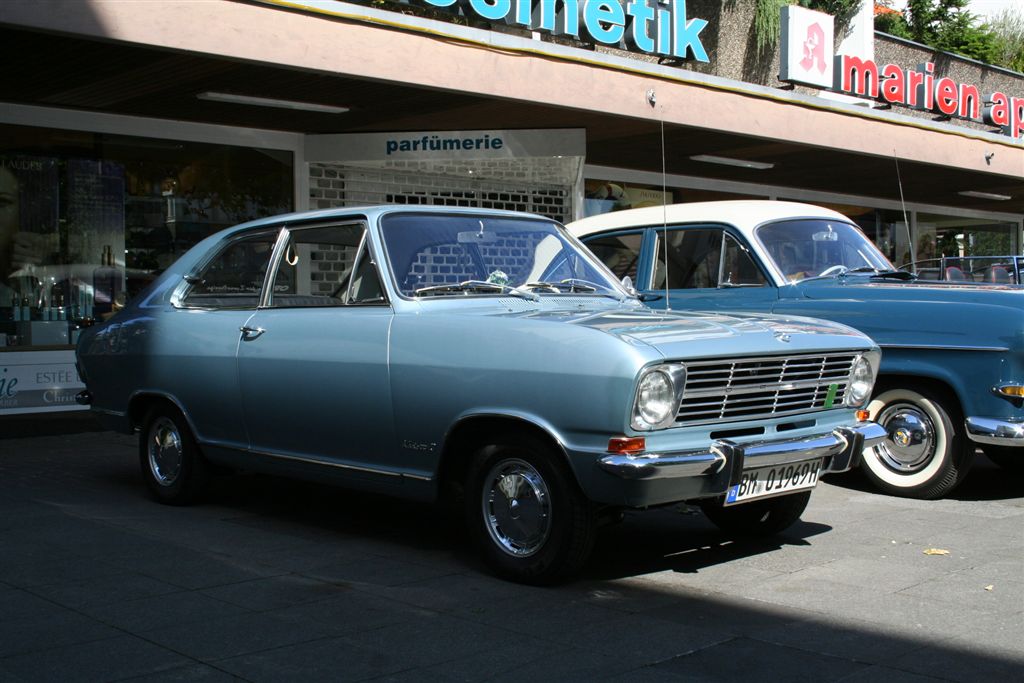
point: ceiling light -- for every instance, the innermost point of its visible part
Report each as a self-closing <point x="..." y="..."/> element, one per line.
<point x="268" y="102"/>
<point x="726" y="161"/>
<point x="986" y="195"/>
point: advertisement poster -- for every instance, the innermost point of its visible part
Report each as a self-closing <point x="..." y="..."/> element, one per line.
<point x="604" y="197"/>
<point x="29" y="233"/>
<point x="38" y="381"/>
<point x="95" y="211"/>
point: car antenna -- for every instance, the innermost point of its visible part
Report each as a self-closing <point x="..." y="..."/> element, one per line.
<point x="903" y="204"/>
<point x="653" y="101"/>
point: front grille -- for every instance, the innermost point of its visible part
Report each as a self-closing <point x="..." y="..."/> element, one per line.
<point x="755" y="388"/>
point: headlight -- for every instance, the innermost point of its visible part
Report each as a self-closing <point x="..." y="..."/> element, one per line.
<point x="657" y="397"/>
<point x="862" y="381"/>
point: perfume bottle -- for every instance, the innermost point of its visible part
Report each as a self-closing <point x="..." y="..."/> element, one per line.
<point x="106" y="283"/>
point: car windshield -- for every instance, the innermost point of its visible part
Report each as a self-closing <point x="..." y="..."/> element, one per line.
<point x="449" y="254"/>
<point x="803" y="249"/>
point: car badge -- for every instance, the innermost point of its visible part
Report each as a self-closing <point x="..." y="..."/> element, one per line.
<point x="782" y="336"/>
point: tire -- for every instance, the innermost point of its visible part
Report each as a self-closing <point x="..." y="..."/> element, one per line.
<point x="1009" y="458"/>
<point x="526" y="513"/>
<point x="173" y="468"/>
<point x="926" y="453"/>
<point x="759" y="517"/>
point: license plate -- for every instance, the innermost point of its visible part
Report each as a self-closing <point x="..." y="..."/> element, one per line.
<point x="762" y="482"/>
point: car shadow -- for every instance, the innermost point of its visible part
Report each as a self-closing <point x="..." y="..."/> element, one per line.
<point x="984" y="481"/>
<point x="680" y="539"/>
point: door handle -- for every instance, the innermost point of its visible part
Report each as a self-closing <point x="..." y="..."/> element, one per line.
<point x="250" y="333"/>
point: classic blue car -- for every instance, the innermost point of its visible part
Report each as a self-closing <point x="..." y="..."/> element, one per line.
<point x="952" y="374"/>
<point x="480" y="354"/>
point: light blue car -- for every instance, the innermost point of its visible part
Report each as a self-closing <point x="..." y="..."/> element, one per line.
<point x="952" y="374"/>
<point x="482" y="355"/>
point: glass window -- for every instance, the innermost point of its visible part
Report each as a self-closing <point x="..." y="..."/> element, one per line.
<point x="694" y="258"/>
<point x="87" y="220"/>
<point x="814" y="247"/>
<point x="951" y="247"/>
<point x="328" y="266"/>
<point x="738" y="267"/>
<point x="620" y="253"/>
<point x="234" y="278"/>
<point x="433" y="255"/>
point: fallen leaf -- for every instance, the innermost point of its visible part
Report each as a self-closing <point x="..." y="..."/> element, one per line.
<point x="936" y="551"/>
<point x="989" y="588"/>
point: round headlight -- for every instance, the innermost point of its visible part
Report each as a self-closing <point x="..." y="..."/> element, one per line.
<point x="655" y="399"/>
<point x="862" y="380"/>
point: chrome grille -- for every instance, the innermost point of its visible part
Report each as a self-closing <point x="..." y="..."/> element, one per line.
<point x="755" y="388"/>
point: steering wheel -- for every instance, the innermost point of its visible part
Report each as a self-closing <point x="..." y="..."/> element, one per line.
<point x="837" y="269"/>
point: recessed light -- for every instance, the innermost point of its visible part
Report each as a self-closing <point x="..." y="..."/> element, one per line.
<point x="726" y="161"/>
<point x="986" y="195"/>
<point x="269" y="102"/>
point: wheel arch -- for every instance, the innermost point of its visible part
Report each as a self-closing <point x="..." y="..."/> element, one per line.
<point x="473" y="431"/>
<point x="904" y="380"/>
<point x="142" y="402"/>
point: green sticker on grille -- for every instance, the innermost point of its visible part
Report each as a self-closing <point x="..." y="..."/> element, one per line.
<point x="830" y="397"/>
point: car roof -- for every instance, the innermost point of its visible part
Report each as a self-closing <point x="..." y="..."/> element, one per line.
<point x="745" y="214"/>
<point x="374" y="211"/>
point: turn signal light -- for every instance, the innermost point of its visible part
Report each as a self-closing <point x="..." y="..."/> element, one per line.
<point x="862" y="415"/>
<point x="1011" y="390"/>
<point x="627" y="445"/>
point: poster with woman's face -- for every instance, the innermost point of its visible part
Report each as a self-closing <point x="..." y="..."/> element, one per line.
<point x="29" y="207"/>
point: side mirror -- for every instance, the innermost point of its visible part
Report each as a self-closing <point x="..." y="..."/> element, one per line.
<point x="627" y="282"/>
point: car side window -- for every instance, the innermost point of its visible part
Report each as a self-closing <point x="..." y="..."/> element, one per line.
<point x="694" y="258"/>
<point x="234" y="278"/>
<point x="326" y="266"/>
<point x="739" y="267"/>
<point x="620" y="253"/>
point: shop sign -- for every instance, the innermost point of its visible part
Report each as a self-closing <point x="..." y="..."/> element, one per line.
<point x="657" y="27"/>
<point x="807" y="58"/>
<point x="38" y="381"/>
<point x="457" y="144"/>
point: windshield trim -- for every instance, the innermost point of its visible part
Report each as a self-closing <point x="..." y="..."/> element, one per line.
<point x="781" y="279"/>
<point x="617" y="291"/>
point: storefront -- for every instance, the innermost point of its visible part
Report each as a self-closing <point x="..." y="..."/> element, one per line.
<point x="129" y="131"/>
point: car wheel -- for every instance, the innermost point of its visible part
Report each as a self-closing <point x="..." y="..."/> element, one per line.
<point x="526" y="512"/>
<point x="926" y="453"/>
<point x="759" y="517"/>
<point x="1009" y="458"/>
<point x="172" y="466"/>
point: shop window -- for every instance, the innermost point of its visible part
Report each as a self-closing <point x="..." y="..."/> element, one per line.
<point x="971" y="249"/>
<point x="620" y="253"/>
<point x="88" y="220"/>
<point x="603" y="196"/>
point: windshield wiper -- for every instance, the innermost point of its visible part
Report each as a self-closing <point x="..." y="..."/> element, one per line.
<point x="878" y="272"/>
<point x="475" y="286"/>
<point x="571" y="284"/>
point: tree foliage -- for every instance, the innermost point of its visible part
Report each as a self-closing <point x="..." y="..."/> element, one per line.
<point x="944" y="25"/>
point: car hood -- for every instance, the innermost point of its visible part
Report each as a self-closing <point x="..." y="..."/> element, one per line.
<point x="687" y="334"/>
<point x="877" y="289"/>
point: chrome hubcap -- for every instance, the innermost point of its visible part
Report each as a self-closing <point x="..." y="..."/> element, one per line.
<point x="516" y="507"/>
<point x="165" y="451"/>
<point x="911" y="442"/>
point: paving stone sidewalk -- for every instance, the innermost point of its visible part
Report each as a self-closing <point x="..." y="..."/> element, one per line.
<point x="272" y="580"/>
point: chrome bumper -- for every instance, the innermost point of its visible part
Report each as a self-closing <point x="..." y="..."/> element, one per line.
<point x="985" y="430"/>
<point x="841" y="447"/>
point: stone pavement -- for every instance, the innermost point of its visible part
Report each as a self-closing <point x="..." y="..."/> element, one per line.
<point x="273" y="580"/>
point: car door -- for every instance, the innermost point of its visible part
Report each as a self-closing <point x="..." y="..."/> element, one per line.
<point x="313" y="362"/>
<point x="709" y="268"/>
<point x="199" y="343"/>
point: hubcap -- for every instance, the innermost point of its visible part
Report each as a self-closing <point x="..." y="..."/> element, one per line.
<point x="165" y="451"/>
<point x="911" y="441"/>
<point x="516" y="507"/>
